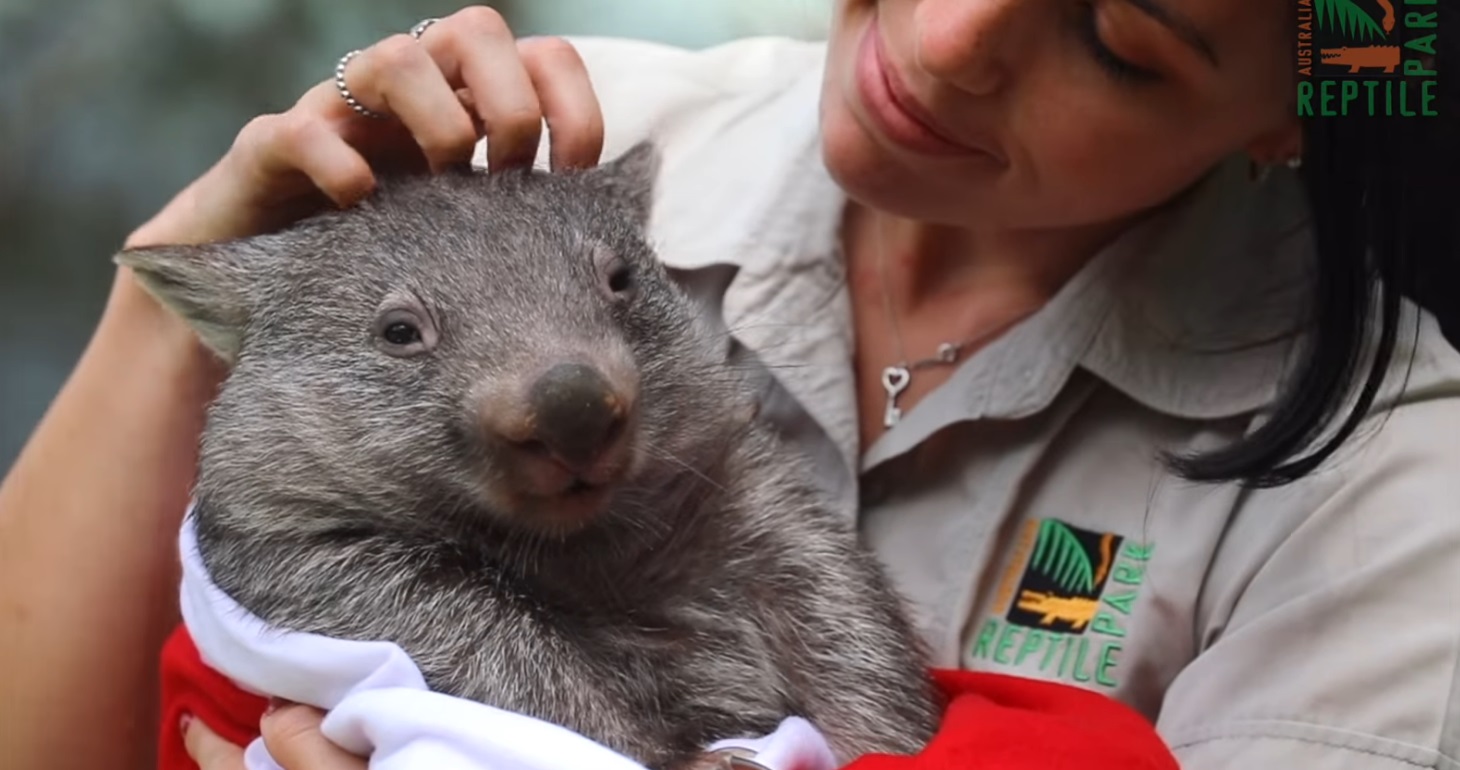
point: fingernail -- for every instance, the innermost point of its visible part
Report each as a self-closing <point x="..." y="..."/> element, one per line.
<point x="183" y="722"/>
<point x="274" y="704"/>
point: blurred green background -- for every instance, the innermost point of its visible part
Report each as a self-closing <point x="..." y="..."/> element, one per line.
<point x="109" y="107"/>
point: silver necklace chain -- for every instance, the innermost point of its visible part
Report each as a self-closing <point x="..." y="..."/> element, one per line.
<point x="896" y="377"/>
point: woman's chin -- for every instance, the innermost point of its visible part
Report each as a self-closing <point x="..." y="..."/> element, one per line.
<point x="874" y="172"/>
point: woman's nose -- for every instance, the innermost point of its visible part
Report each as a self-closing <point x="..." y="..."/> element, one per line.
<point x="970" y="44"/>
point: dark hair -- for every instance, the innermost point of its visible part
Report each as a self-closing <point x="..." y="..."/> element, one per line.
<point x="1385" y="228"/>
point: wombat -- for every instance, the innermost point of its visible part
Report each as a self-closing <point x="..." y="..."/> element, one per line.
<point x="474" y="416"/>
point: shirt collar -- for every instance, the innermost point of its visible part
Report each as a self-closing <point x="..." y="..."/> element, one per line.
<point x="709" y="205"/>
<point x="1193" y="313"/>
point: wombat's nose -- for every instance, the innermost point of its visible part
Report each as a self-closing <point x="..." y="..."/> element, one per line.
<point x="576" y="414"/>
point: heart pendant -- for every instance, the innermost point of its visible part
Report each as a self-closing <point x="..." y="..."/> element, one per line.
<point x="894" y="381"/>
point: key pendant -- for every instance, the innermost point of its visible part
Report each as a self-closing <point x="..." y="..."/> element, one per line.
<point x="894" y="381"/>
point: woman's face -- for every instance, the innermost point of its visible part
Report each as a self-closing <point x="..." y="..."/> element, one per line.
<point x="1050" y="113"/>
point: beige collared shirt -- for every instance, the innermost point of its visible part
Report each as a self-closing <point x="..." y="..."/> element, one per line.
<point x="1023" y="507"/>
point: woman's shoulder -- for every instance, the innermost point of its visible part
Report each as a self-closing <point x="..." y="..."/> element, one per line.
<point x="1325" y="597"/>
<point x="730" y="100"/>
<point x="624" y="66"/>
<point x="735" y="125"/>
<point x="1408" y="442"/>
<point x="1410" y="435"/>
<point x="1389" y="496"/>
<point x="683" y="97"/>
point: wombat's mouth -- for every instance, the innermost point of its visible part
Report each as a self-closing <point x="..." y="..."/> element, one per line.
<point x="535" y="491"/>
<point x="573" y="509"/>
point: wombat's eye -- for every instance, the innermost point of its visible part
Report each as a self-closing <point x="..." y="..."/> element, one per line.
<point x="621" y="279"/>
<point x="404" y="332"/>
<point x="615" y="274"/>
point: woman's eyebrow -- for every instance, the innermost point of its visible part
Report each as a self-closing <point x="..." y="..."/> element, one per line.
<point x="1182" y="26"/>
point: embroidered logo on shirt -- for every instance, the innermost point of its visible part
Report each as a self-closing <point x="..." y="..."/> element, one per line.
<point x="1065" y="600"/>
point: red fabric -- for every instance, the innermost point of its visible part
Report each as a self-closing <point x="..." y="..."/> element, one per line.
<point x="190" y="686"/>
<point x="1000" y="722"/>
<point x="993" y="722"/>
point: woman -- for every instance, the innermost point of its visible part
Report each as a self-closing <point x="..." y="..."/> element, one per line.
<point x="1024" y="303"/>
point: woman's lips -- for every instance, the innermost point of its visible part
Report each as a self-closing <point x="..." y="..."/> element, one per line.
<point x="896" y="113"/>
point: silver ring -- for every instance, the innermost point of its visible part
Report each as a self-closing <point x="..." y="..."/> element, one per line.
<point x="345" y="91"/>
<point x="421" y="27"/>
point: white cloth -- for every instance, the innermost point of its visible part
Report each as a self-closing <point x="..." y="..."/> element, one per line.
<point x="378" y="704"/>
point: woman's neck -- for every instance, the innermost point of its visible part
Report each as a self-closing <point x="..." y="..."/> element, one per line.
<point x="915" y="287"/>
<point x="925" y="266"/>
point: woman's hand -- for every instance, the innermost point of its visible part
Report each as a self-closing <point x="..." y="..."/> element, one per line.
<point x="465" y="77"/>
<point x="291" y="734"/>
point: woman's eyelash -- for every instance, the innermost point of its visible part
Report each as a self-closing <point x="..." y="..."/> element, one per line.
<point x="1118" y="68"/>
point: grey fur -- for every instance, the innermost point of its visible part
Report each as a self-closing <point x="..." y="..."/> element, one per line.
<point x="352" y="493"/>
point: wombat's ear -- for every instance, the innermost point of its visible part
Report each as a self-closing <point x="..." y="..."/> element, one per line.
<point x="206" y="285"/>
<point x="630" y="177"/>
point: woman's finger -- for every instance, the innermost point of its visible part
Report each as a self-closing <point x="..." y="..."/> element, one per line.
<point x="208" y="749"/>
<point x="574" y="117"/>
<point x="276" y="145"/>
<point x="475" y="48"/>
<point x="291" y="734"/>
<point x="417" y="82"/>
<point x="399" y="76"/>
